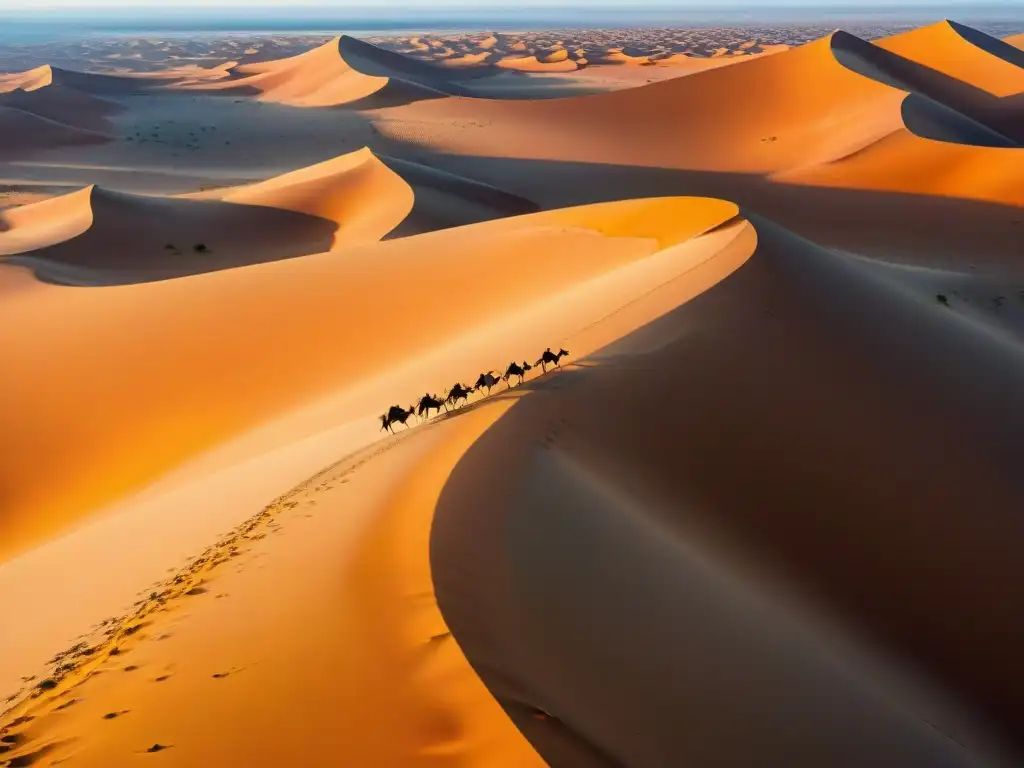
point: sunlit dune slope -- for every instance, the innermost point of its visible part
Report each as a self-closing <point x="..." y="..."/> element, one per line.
<point x="534" y="64"/>
<point x="163" y="370"/>
<point x="982" y="61"/>
<point x="84" y="82"/>
<point x="344" y="71"/>
<point x="789" y="109"/>
<point x="944" y="67"/>
<point x="816" y="111"/>
<point x="654" y="512"/>
<point x="327" y="643"/>
<point x="674" y="449"/>
<point x="370" y="197"/>
<point x="1017" y="41"/>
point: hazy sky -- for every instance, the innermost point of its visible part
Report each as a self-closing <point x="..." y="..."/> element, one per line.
<point x="340" y="6"/>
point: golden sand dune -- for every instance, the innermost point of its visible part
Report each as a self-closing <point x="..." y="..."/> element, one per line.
<point x="344" y="71"/>
<point x="533" y="64"/>
<point x="133" y="238"/>
<point x="677" y="512"/>
<point x="63" y="104"/>
<point x="370" y="196"/>
<point x="773" y="113"/>
<point x="84" y="82"/>
<point x="999" y="115"/>
<point x="763" y="514"/>
<point x="476" y="546"/>
<point x="257" y="337"/>
<point x="818" y="110"/>
<point x="101" y="237"/>
<point x="980" y="60"/>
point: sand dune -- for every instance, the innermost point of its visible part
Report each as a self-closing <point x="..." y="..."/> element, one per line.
<point x="699" y="508"/>
<point x="532" y="501"/>
<point x="84" y="82"/>
<point x="774" y="112"/>
<point x="65" y="105"/>
<point x="26" y="132"/>
<point x="815" y="111"/>
<point x="370" y="197"/>
<point x="979" y="60"/>
<point x="101" y="237"/>
<point x="344" y="71"/>
<point x="763" y="514"/>
<point x="257" y="337"/>
<point x="533" y="64"/>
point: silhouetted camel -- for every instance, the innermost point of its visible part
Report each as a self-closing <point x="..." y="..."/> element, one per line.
<point x="486" y="380"/>
<point x="551" y="357"/>
<point x="395" y="414"/>
<point x="514" y="369"/>
<point x="458" y="392"/>
<point x="429" y="403"/>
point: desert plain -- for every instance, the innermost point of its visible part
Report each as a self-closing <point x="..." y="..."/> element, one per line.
<point x="766" y="510"/>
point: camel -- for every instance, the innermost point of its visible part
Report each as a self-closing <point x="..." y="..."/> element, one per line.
<point x="428" y="403"/>
<point x="487" y="380"/>
<point x="514" y="369"/>
<point x="551" y="357"/>
<point x="395" y="414"/>
<point x="458" y="392"/>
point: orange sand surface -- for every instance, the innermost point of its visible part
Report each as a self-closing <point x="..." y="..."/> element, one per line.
<point x="760" y="511"/>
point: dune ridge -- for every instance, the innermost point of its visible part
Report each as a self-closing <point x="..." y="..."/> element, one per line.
<point x="833" y="110"/>
<point x="283" y="316"/>
<point x="768" y="496"/>
<point x="578" y="490"/>
<point x="343" y="71"/>
<point x="96" y="236"/>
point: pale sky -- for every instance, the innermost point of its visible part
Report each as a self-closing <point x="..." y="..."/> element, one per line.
<point x="383" y="5"/>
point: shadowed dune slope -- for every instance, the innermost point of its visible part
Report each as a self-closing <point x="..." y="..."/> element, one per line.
<point x="344" y="71"/>
<point x="982" y="61"/>
<point x="83" y="82"/>
<point x="791" y="109"/>
<point x="938" y="76"/>
<point x="370" y="196"/>
<point x="26" y="132"/>
<point x="65" y="105"/>
<point x="101" y="237"/>
<point x="273" y="337"/>
<point x="822" y="111"/>
<point x="677" y="511"/>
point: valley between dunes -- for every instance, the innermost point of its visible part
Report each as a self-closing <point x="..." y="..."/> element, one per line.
<point x="763" y="512"/>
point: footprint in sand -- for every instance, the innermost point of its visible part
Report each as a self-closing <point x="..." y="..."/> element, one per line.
<point x="115" y="715"/>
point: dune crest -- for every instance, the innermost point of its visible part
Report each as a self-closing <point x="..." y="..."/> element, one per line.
<point x="257" y="336"/>
<point x="344" y="71"/>
<point x="569" y="490"/>
<point x="973" y="57"/>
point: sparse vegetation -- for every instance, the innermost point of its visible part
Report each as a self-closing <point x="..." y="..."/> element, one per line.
<point x="200" y="248"/>
<point x="942" y="299"/>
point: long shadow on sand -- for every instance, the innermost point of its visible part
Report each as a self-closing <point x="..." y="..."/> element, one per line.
<point x="597" y="553"/>
<point x="892" y="226"/>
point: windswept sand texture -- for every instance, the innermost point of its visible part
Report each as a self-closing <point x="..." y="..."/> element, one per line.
<point x="756" y="505"/>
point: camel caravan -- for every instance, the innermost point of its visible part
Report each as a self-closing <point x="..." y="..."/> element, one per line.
<point x="460" y="392"/>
